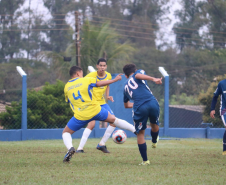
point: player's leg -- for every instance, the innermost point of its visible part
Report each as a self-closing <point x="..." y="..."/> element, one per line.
<point x="154" y="112"/>
<point x="104" y="115"/>
<point x="67" y="139"/>
<point x="140" y="118"/>
<point x="142" y="147"/>
<point x="107" y="134"/>
<point x="154" y="134"/>
<point x="102" y="146"/>
<point x="223" y="117"/>
<point x="85" y="136"/>
<point x="224" y="142"/>
<point x="72" y="126"/>
<point x="120" y="123"/>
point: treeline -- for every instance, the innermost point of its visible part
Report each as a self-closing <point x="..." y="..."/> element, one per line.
<point x="121" y="31"/>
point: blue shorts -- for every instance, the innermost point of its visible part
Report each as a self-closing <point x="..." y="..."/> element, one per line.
<point x="149" y="110"/>
<point x="106" y="106"/>
<point x="75" y="124"/>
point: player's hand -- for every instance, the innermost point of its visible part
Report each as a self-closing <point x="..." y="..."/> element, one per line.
<point x="118" y="77"/>
<point x="158" y="80"/>
<point x="212" y="114"/>
<point x="110" y="98"/>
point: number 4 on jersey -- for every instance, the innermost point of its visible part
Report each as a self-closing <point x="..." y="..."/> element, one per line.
<point x="78" y="97"/>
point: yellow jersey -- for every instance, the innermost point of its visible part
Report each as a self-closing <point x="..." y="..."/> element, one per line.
<point x="98" y="92"/>
<point x="78" y="92"/>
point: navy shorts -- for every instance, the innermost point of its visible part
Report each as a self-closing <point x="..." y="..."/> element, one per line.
<point x="149" y="110"/>
<point x="223" y="117"/>
<point x="75" y="124"/>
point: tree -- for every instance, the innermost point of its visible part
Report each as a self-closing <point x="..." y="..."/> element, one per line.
<point x="104" y="41"/>
<point x="45" y="109"/>
<point x="215" y="12"/>
<point x="146" y="15"/>
<point x="10" y="34"/>
<point x="195" y="18"/>
<point x="190" y="21"/>
<point x="59" y="33"/>
<point x="205" y="99"/>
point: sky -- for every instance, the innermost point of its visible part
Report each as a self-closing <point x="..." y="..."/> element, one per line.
<point x="165" y="33"/>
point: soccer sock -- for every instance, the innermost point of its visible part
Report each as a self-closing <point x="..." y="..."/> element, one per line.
<point x="67" y="140"/>
<point x="224" y="141"/>
<point x="107" y="134"/>
<point x="154" y="136"/>
<point x="84" y="138"/>
<point x="124" y="125"/>
<point x="143" y="151"/>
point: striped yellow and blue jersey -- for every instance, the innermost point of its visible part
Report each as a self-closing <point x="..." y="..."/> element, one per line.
<point x="78" y="92"/>
<point x="98" y="92"/>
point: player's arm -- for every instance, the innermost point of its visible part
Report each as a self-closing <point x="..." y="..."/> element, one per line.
<point x="146" y="77"/>
<point x="107" y="94"/>
<point x="214" y="101"/>
<point x="128" y="105"/>
<point x="65" y="95"/>
<point x="213" y="104"/>
<point x="107" y="82"/>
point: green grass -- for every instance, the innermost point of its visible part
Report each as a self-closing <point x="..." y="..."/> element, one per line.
<point x="185" y="161"/>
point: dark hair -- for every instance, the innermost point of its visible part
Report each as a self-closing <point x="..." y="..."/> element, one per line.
<point x="101" y="60"/>
<point x="128" y="69"/>
<point x="74" y="70"/>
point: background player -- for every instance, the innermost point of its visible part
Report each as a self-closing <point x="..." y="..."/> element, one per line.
<point x="145" y="106"/>
<point x="78" y="92"/>
<point x="221" y="90"/>
<point x="98" y="93"/>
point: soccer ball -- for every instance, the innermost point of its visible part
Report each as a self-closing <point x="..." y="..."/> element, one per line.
<point x="119" y="136"/>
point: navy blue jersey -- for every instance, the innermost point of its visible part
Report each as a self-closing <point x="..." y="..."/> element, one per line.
<point x="137" y="90"/>
<point x="221" y="90"/>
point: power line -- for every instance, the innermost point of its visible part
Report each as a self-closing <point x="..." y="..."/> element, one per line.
<point x="150" y="24"/>
<point x="172" y="32"/>
<point x="192" y="39"/>
<point x="147" y="38"/>
<point x="41" y="29"/>
<point x="196" y="68"/>
<point x="151" y="38"/>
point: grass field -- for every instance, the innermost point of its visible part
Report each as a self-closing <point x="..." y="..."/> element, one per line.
<point x="185" y="161"/>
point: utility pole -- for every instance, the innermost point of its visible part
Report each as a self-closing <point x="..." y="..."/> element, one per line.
<point x="29" y="24"/>
<point x="77" y="39"/>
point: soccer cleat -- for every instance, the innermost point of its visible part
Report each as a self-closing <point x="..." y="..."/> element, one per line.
<point x="69" y="155"/>
<point x="145" y="163"/>
<point x="224" y="153"/>
<point x="154" y="145"/>
<point x="79" y="151"/>
<point x="102" y="148"/>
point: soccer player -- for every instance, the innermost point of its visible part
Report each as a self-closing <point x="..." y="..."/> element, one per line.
<point x="78" y="92"/>
<point x="221" y="90"/>
<point x="98" y="93"/>
<point x="145" y="106"/>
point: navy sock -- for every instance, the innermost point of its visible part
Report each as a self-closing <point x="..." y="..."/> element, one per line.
<point x="224" y="141"/>
<point x="143" y="151"/>
<point x="154" y="136"/>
